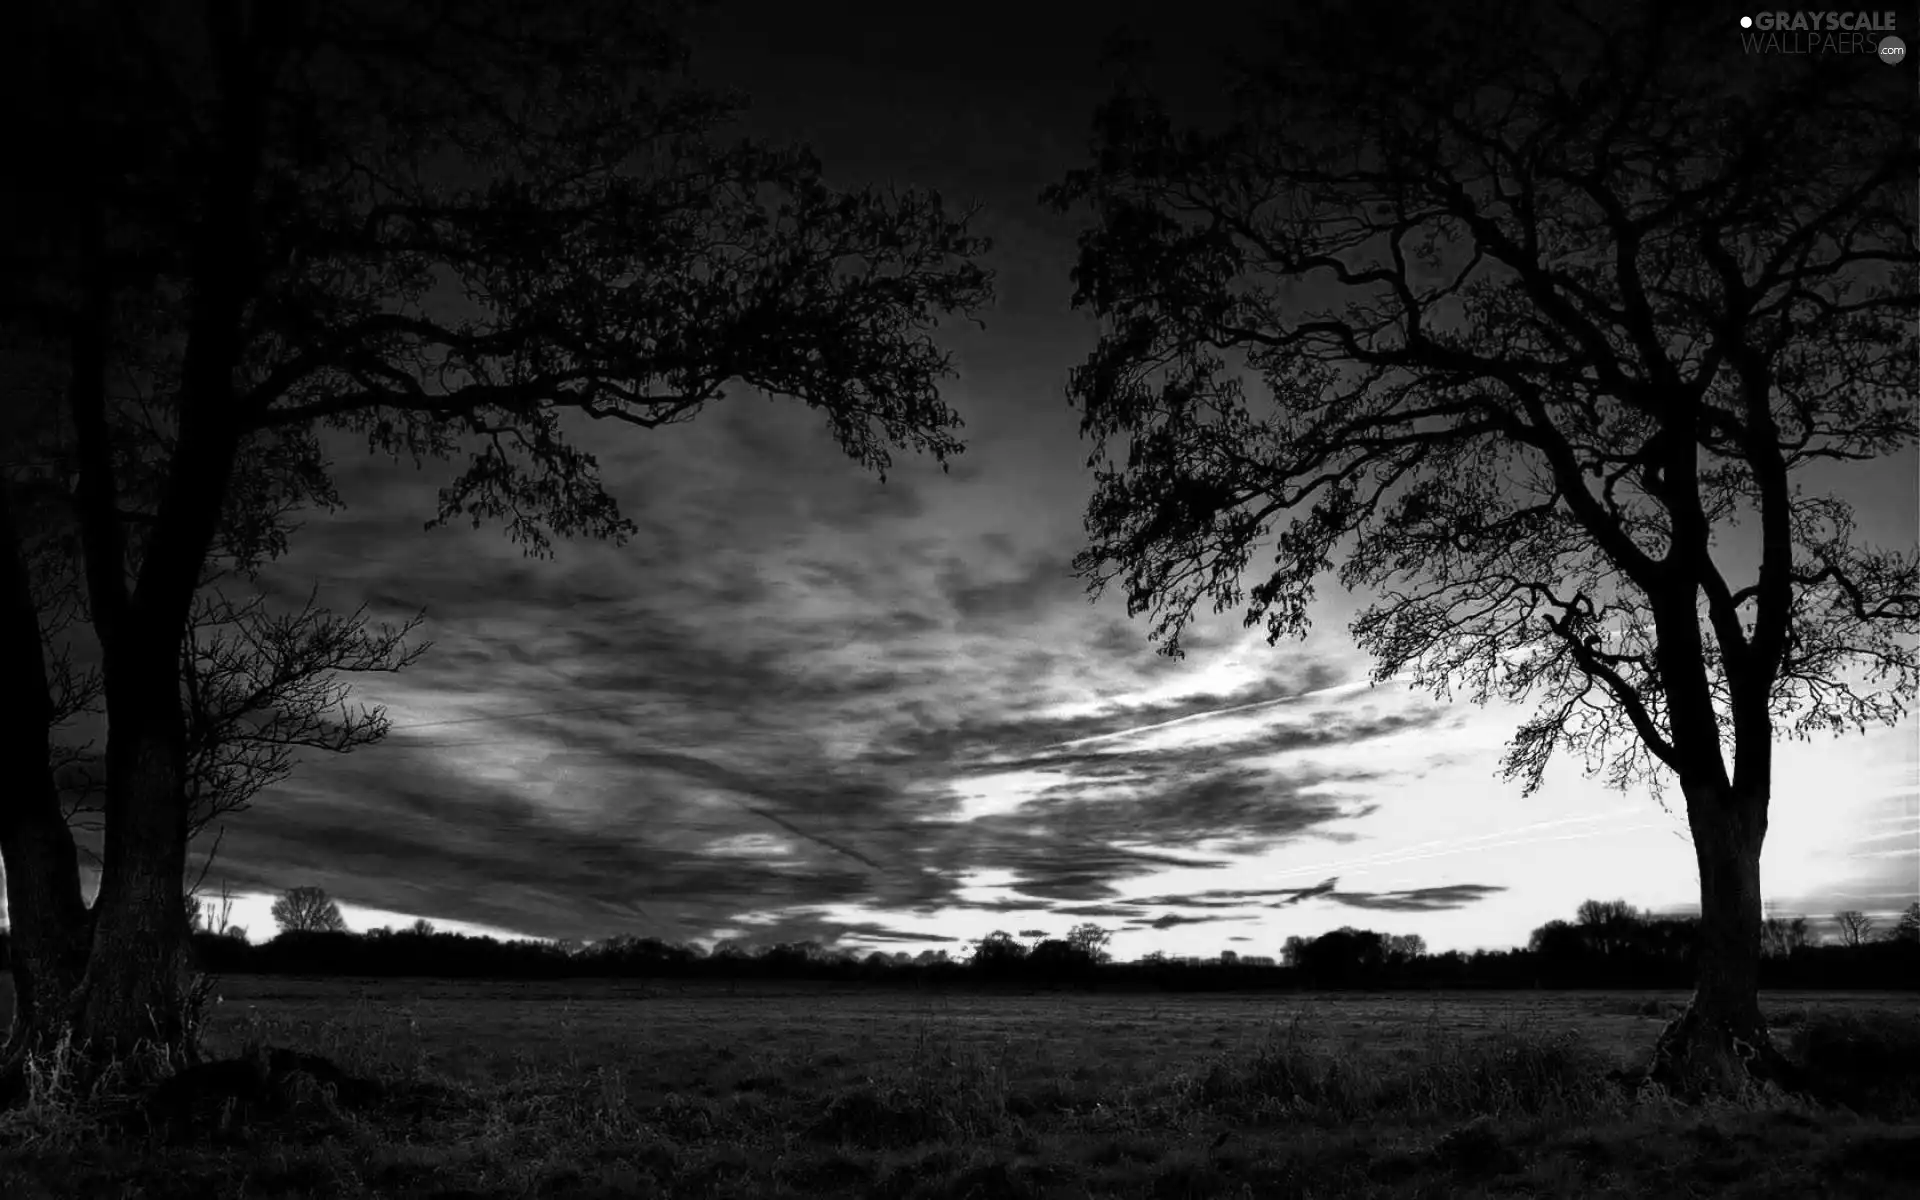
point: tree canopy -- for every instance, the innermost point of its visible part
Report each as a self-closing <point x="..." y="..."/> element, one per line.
<point x="460" y="231"/>
<point x="1530" y="343"/>
<point x="1543" y="335"/>
<point x="307" y="910"/>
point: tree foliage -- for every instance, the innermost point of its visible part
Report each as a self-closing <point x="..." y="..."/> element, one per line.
<point x="307" y="910"/>
<point x="1091" y="940"/>
<point x="1908" y="928"/>
<point x="1530" y="339"/>
<point x="1855" y="926"/>
<point x="258" y="680"/>
<point x="1601" y="913"/>
<point x="1344" y="955"/>
<point x="1781" y="936"/>
<point x="997" y="951"/>
<point x="259" y="683"/>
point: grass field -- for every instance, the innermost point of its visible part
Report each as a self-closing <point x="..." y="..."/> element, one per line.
<point x="583" y="1089"/>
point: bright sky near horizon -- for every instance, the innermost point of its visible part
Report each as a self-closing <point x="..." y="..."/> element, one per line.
<point x="801" y="704"/>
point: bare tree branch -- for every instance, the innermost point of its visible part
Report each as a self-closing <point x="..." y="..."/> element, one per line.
<point x="1536" y="327"/>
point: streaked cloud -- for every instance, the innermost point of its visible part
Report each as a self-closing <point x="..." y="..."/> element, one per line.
<point x="1417" y="899"/>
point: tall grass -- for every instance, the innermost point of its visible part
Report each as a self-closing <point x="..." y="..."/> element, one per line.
<point x="1865" y="1063"/>
<point x="1296" y="1074"/>
<point x="935" y="1109"/>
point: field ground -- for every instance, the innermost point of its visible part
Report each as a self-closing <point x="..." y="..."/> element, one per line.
<point x="588" y="1089"/>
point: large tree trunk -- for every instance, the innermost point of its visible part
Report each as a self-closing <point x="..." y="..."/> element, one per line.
<point x="115" y="979"/>
<point x="135" y="989"/>
<point x="50" y="929"/>
<point x="49" y="926"/>
<point x="1721" y="1044"/>
<point x="105" y="979"/>
<point x="111" y="982"/>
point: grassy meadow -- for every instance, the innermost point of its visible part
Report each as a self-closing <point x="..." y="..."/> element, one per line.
<point x="585" y="1089"/>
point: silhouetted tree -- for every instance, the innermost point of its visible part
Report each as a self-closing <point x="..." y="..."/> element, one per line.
<point x="1556" y="937"/>
<point x="1856" y="927"/>
<point x="1344" y="956"/>
<point x="1060" y="959"/>
<point x="257" y="684"/>
<point x="998" y="952"/>
<point x="1405" y="947"/>
<point x="1610" y="927"/>
<point x="307" y="910"/>
<point x="1565" y="955"/>
<point x="1090" y="940"/>
<point x="282" y="216"/>
<point x="218" y="919"/>
<point x="1908" y="930"/>
<point x="786" y="958"/>
<point x="1600" y="913"/>
<point x="1536" y="309"/>
<point x="1780" y="936"/>
<point x="421" y="927"/>
<point x="656" y="954"/>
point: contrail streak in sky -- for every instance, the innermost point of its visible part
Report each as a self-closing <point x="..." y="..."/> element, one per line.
<point x="1200" y="716"/>
<point x="790" y="827"/>
<point x="1498" y="840"/>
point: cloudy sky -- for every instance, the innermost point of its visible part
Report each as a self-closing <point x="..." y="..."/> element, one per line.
<point x="801" y="704"/>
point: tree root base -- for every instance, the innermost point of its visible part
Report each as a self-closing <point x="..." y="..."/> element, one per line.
<point x="203" y="1099"/>
<point x="1701" y="1055"/>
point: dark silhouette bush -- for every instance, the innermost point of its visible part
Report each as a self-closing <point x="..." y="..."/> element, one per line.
<point x="1618" y="949"/>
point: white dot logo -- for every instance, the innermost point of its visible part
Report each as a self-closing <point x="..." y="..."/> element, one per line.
<point x="1746" y="22"/>
<point x="1892" y="50"/>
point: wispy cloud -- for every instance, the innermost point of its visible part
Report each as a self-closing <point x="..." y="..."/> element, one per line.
<point x="886" y="709"/>
<point x="1430" y="899"/>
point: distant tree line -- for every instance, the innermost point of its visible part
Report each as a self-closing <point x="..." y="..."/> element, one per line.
<point x="1608" y="944"/>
